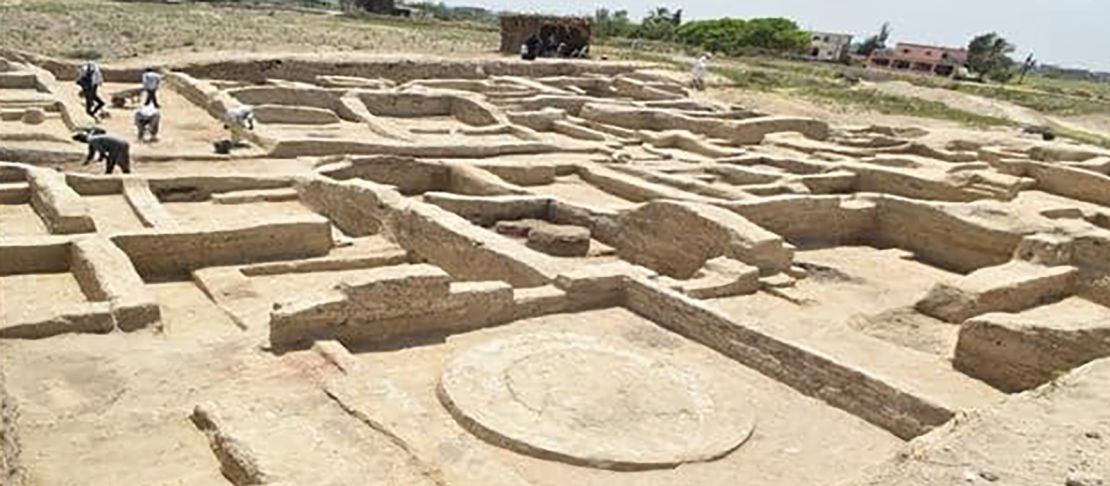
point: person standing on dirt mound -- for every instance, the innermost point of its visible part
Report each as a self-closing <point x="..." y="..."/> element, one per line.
<point x="90" y="80"/>
<point x="151" y="81"/>
<point x="697" y="73"/>
<point x="112" y="149"/>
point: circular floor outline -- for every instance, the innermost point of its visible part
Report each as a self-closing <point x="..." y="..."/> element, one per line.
<point x="474" y="391"/>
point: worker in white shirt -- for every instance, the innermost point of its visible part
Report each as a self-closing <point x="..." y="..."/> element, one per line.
<point x="151" y="82"/>
<point x="147" y="120"/>
<point x="698" y="71"/>
<point x="238" y="119"/>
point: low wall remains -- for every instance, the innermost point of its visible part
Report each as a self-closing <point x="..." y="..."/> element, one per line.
<point x="357" y="207"/>
<point x="105" y="274"/>
<point x="383" y="303"/>
<point x="34" y="254"/>
<point x="677" y="238"/>
<point x="890" y="404"/>
<point x="945" y="235"/>
<point x="1015" y="353"/>
<point x="487" y="210"/>
<point x="469" y="252"/>
<point x="167" y="254"/>
<point x="59" y="206"/>
<point x="812" y="220"/>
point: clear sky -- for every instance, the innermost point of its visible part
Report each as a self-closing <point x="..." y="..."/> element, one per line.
<point x="1065" y="32"/>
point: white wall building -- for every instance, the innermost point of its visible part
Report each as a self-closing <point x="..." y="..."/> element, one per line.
<point x="828" y="46"/>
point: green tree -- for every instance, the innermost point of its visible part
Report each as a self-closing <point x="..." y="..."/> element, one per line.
<point x="989" y="55"/>
<point x="612" y="24"/>
<point x="776" y="34"/>
<point x="875" y="42"/>
<point x="660" y="24"/>
<point x="735" y="36"/>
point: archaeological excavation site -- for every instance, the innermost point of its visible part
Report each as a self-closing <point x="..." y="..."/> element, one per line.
<point x="478" y="272"/>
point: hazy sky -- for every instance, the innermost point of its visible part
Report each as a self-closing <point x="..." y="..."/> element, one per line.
<point x="1067" y="32"/>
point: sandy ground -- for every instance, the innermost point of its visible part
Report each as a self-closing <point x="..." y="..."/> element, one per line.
<point x="575" y="190"/>
<point x="186" y="129"/>
<point x="963" y="101"/>
<point x="209" y="167"/>
<point x="849" y="288"/>
<point x="797" y="440"/>
<point x="136" y="391"/>
<point x="112" y="214"/>
<point x="25" y="295"/>
<point x="1095" y="124"/>
<point x="20" y="220"/>
<point x="208" y="213"/>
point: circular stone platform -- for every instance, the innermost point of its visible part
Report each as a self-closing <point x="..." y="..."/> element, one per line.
<point x="587" y="401"/>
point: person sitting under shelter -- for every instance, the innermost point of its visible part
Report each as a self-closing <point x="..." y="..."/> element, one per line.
<point x="112" y="149"/>
<point x="531" y="48"/>
<point x="549" y="47"/>
<point x="147" y="120"/>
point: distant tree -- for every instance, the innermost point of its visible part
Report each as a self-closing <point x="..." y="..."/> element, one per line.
<point x="442" y="11"/>
<point x="735" y="36"/>
<point x="719" y="35"/>
<point x="776" y="34"/>
<point x="660" y="24"/>
<point x="612" y="24"/>
<point x="989" y="55"/>
<point x="875" y="42"/>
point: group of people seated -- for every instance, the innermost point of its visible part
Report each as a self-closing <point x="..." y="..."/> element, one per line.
<point x="552" y="46"/>
<point x="114" y="150"/>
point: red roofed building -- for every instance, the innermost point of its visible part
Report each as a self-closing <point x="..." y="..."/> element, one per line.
<point x="919" y="58"/>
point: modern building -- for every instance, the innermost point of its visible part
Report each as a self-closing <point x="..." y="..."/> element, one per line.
<point x="828" y="46"/>
<point x="920" y="58"/>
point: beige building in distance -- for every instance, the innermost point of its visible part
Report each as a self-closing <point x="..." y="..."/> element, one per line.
<point x="828" y="46"/>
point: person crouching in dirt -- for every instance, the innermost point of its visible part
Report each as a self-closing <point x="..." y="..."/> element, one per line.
<point x="238" y="119"/>
<point x="147" y="120"/>
<point x="697" y="73"/>
<point x="151" y="82"/>
<point x="90" y="80"/>
<point x="114" y="150"/>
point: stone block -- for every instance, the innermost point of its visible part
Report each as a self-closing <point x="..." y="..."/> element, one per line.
<point x="559" y="240"/>
<point x="1014" y="286"/>
<point x="677" y="238"/>
<point x="384" y="303"/>
<point x="1016" y="352"/>
<point x="59" y="206"/>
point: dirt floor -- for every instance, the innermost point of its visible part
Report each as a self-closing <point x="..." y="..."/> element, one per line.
<point x="22" y="296"/>
<point x="573" y="189"/>
<point x="788" y="426"/>
<point x="20" y="219"/>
